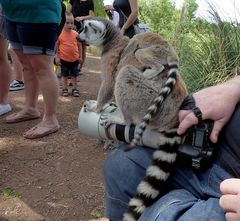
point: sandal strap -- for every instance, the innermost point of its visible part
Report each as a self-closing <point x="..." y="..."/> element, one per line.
<point x="75" y="92"/>
<point x="65" y="92"/>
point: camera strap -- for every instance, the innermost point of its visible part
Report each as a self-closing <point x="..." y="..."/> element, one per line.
<point x="190" y="104"/>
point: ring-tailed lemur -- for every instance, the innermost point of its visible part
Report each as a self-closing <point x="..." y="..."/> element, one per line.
<point x="142" y="74"/>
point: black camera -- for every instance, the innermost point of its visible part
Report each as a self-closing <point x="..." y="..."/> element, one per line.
<point x="197" y="150"/>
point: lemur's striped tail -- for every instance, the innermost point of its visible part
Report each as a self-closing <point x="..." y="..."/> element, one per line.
<point x="157" y="174"/>
<point x="154" y="108"/>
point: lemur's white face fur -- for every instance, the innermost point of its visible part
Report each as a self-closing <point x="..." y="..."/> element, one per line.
<point x="93" y="32"/>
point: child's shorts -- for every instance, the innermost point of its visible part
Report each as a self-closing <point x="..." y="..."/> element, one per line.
<point x="69" y="68"/>
<point x="32" y="38"/>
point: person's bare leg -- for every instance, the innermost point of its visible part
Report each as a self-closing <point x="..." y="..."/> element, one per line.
<point x="64" y="82"/>
<point x="42" y="66"/>
<point x="5" y="77"/>
<point x="5" y="71"/>
<point x="74" y="82"/>
<point x="30" y="110"/>
<point x="17" y="66"/>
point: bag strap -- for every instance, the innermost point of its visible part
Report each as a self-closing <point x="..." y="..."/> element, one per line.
<point x="123" y="13"/>
<point x="127" y="17"/>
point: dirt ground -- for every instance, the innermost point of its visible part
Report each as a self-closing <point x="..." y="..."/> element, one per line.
<point x="58" y="176"/>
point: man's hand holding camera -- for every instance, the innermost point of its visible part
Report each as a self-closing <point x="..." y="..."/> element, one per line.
<point x="212" y="107"/>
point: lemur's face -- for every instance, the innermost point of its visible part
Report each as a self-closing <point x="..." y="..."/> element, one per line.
<point x="92" y="32"/>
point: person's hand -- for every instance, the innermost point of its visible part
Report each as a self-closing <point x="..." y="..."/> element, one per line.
<point x="216" y="103"/>
<point x="230" y="200"/>
<point x="123" y="30"/>
<point x="57" y="60"/>
<point x="78" y="19"/>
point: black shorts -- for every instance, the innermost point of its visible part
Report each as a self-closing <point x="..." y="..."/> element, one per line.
<point x="69" y="68"/>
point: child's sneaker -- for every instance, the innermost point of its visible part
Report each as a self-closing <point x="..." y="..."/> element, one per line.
<point x="16" y="85"/>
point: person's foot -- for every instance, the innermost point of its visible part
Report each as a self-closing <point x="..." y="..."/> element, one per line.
<point x="16" y="85"/>
<point x="23" y="115"/>
<point x="75" y="92"/>
<point x="64" y="92"/>
<point x="4" y="109"/>
<point x="41" y="130"/>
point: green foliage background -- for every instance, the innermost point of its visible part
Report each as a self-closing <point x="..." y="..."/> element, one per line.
<point x="208" y="50"/>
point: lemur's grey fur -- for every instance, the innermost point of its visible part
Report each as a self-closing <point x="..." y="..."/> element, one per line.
<point x="143" y="75"/>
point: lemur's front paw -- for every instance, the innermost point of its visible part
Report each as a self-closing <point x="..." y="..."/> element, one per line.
<point x="90" y="106"/>
<point x="107" y="120"/>
<point x="111" y="118"/>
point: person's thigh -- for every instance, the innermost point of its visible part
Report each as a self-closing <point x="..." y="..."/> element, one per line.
<point x="34" y="38"/>
<point x="182" y="205"/>
<point x="12" y="35"/>
<point x="123" y="171"/>
<point x="200" y="184"/>
<point x="192" y="196"/>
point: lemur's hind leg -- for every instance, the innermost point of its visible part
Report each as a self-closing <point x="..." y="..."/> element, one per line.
<point x="154" y="184"/>
<point x="153" y="59"/>
<point x="134" y="93"/>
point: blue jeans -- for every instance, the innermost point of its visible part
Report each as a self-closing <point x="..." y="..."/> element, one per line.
<point x="192" y="195"/>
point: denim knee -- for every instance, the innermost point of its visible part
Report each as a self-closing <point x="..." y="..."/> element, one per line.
<point x="123" y="171"/>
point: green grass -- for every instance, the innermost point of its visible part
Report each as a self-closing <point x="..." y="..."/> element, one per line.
<point x="8" y="192"/>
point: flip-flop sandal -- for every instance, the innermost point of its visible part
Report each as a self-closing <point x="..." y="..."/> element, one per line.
<point x="20" y="118"/>
<point x="75" y="92"/>
<point x="50" y="131"/>
<point x="64" y="92"/>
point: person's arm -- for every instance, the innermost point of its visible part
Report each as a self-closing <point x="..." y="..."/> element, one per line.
<point x="80" y="18"/>
<point x="132" y="17"/>
<point x="57" y="55"/>
<point x="69" y="7"/>
<point x="89" y="16"/>
<point x="216" y="103"/>
<point x="230" y="200"/>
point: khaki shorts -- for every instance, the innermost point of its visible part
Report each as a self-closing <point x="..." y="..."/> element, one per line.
<point x="2" y="30"/>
